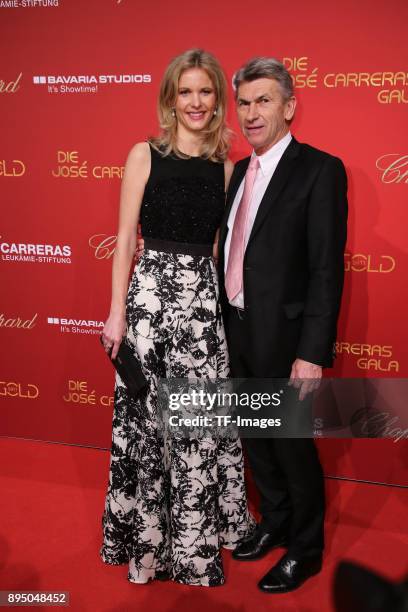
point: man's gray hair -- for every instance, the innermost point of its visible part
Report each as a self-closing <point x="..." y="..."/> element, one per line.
<point x="264" y="68"/>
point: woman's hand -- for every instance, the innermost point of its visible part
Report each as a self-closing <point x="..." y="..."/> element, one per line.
<point x="113" y="332"/>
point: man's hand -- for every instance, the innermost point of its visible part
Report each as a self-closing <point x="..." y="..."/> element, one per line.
<point x="215" y="246"/>
<point x="302" y="370"/>
<point x="139" y="249"/>
<point x="215" y="252"/>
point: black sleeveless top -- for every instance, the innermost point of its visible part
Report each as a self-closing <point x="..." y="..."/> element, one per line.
<point x="183" y="199"/>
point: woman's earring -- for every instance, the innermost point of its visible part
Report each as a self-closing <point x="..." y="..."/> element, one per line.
<point x="215" y="111"/>
<point x="173" y="112"/>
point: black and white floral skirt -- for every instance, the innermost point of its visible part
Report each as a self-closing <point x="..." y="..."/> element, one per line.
<point x="170" y="506"/>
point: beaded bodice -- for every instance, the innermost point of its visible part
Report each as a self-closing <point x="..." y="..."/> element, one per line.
<point x="183" y="200"/>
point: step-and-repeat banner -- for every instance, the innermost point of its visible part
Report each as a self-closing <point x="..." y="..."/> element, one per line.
<point x="78" y="87"/>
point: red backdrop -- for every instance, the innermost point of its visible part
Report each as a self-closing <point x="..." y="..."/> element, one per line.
<point x="78" y="87"/>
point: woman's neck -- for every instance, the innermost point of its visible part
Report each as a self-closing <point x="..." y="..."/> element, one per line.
<point x="188" y="143"/>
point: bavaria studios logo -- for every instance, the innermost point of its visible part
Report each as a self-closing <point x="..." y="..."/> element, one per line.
<point x="88" y="83"/>
<point x="69" y="325"/>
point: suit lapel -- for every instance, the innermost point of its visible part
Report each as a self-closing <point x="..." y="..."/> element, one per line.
<point x="276" y="184"/>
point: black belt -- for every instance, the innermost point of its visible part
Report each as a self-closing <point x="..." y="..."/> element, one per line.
<point x="182" y="248"/>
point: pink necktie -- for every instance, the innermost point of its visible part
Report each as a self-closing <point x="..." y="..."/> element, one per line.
<point x="233" y="276"/>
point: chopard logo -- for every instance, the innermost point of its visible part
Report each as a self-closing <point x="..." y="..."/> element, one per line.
<point x="17" y="322"/>
<point x="369" y="422"/>
<point x="10" y="86"/>
<point x="393" y="167"/>
<point x="103" y="245"/>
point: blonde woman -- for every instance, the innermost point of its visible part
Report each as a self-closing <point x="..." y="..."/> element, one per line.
<point x="168" y="511"/>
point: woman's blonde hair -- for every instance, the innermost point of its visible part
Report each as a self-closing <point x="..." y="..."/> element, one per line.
<point x="216" y="136"/>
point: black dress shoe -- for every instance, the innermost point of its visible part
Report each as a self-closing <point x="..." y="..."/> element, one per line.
<point x="258" y="545"/>
<point x="289" y="573"/>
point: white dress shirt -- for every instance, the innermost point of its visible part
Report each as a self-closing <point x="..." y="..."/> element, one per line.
<point x="267" y="166"/>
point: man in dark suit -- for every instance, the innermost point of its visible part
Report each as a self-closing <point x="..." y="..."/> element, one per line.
<point x="281" y="267"/>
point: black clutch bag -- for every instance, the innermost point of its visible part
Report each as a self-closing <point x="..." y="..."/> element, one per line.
<point x="129" y="369"/>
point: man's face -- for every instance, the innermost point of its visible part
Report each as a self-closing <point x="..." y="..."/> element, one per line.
<point x="263" y="113"/>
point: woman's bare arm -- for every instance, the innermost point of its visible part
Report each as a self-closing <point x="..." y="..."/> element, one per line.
<point x="136" y="174"/>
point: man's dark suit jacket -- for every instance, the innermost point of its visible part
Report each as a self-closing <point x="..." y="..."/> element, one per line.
<point x="294" y="261"/>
